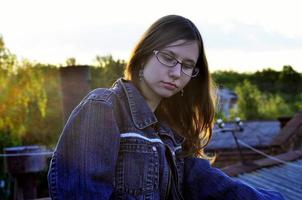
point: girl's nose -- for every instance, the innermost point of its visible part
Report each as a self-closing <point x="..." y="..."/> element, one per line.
<point x="176" y="71"/>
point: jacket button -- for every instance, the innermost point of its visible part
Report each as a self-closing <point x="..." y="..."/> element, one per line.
<point x="154" y="148"/>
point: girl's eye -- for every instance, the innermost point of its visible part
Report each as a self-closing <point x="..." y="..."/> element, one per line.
<point x="187" y="66"/>
<point x="167" y="57"/>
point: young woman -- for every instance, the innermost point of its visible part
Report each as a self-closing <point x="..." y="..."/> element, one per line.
<point x="143" y="138"/>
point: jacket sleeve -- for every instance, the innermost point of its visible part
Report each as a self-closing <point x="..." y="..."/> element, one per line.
<point x="202" y="181"/>
<point x="83" y="163"/>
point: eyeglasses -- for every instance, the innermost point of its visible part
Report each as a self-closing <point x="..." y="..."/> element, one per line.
<point x="171" y="61"/>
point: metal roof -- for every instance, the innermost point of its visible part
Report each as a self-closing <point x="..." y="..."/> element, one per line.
<point x="285" y="178"/>
<point x="255" y="133"/>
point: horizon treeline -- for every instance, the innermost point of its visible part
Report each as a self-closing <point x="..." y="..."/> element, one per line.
<point x="31" y="107"/>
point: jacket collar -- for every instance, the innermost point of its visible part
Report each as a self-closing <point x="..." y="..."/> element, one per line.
<point x="141" y="113"/>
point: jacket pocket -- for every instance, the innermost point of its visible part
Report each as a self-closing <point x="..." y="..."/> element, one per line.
<point x="137" y="167"/>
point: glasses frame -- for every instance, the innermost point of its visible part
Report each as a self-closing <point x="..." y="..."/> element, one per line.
<point x="177" y="61"/>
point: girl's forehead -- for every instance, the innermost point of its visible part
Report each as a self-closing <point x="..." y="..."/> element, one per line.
<point x="183" y="48"/>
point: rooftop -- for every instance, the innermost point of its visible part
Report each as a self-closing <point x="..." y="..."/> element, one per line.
<point x="255" y="133"/>
<point x="282" y="173"/>
<point x="285" y="178"/>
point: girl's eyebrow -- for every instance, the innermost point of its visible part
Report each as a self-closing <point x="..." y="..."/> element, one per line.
<point x="174" y="55"/>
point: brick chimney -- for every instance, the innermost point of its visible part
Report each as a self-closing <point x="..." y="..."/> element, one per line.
<point x="75" y="84"/>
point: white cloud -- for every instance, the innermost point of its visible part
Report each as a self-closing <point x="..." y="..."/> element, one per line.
<point x="252" y="32"/>
<point x="241" y="61"/>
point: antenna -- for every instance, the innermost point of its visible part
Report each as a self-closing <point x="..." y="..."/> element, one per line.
<point x="237" y="128"/>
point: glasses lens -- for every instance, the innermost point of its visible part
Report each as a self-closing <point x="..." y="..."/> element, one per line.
<point x="166" y="59"/>
<point x="187" y="69"/>
<point x="170" y="61"/>
<point x="190" y="71"/>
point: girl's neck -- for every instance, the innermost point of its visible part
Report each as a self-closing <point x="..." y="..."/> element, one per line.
<point x="152" y="99"/>
<point x="153" y="104"/>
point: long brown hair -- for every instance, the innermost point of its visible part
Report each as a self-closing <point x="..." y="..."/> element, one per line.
<point x="195" y="109"/>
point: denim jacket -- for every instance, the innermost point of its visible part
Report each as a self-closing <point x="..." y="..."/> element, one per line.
<point x="113" y="147"/>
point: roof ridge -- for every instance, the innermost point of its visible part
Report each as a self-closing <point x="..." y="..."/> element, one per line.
<point x="236" y="169"/>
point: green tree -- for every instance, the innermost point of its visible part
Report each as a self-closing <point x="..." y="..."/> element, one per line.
<point x="291" y="81"/>
<point x="252" y="104"/>
<point x="20" y="90"/>
<point x="249" y="99"/>
<point x="280" y="90"/>
<point x="273" y="106"/>
<point x="46" y="130"/>
<point x="71" y="61"/>
<point x="298" y="103"/>
<point x="266" y="80"/>
<point x="106" y="71"/>
<point x="229" y="79"/>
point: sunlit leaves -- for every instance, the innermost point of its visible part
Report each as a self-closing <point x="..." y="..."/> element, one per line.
<point x="106" y="71"/>
<point x="249" y="98"/>
<point x="20" y="89"/>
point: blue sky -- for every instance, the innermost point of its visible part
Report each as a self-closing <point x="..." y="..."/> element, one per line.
<point x="241" y="35"/>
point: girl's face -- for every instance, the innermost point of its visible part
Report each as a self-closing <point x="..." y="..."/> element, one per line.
<point x="161" y="81"/>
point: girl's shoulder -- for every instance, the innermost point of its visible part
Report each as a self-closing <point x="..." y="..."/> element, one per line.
<point x="100" y="94"/>
<point x="103" y="96"/>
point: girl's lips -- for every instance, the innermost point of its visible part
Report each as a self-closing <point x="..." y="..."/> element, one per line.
<point x="169" y="86"/>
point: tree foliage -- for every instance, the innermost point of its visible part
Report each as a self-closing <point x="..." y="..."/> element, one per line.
<point x="21" y="91"/>
<point x="71" y="61"/>
<point x="31" y="104"/>
<point x="229" y="79"/>
<point x="252" y="104"/>
<point x="280" y="91"/>
<point x="249" y="98"/>
<point x="106" y="71"/>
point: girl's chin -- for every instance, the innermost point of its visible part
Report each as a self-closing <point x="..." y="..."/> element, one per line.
<point x="166" y="94"/>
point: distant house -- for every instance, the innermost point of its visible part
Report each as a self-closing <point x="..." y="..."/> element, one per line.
<point x="227" y="101"/>
<point x="268" y="136"/>
<point x="282" y="174"/>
